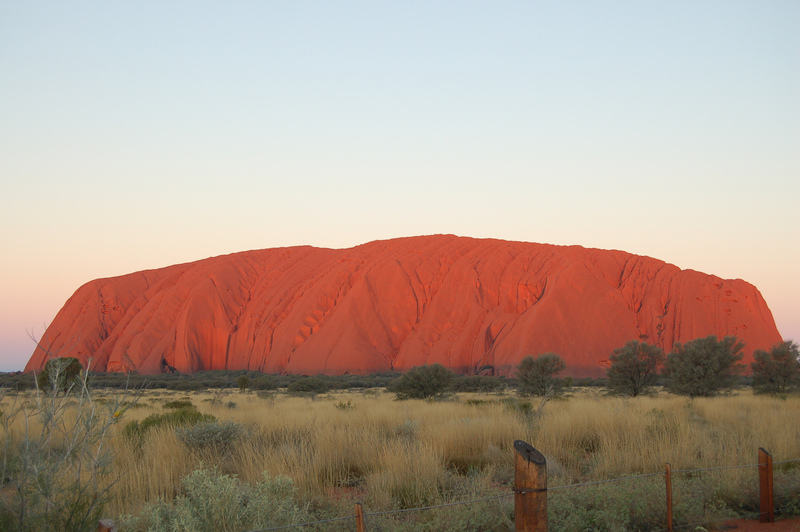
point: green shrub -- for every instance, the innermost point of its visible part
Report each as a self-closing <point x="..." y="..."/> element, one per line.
<point x="634" y="368"/>
<point x="243" y="382"/>
<point x="60" y="374"/>
<point x="210" y="501"/>
<point x="422" y="382"/>
<point x="704" y="367"/>
<point x="217" y="437"/>
<point x="477" y="402"/>
<point x="777" y="371"/>
<point x="182" y="416"/>
<point x="177" y="404"/>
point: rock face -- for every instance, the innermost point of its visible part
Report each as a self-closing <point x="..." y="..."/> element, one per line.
<point x="395" y="304"/>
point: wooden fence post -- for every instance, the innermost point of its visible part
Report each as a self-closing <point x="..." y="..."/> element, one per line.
<point x="530" y="489"/>
<point x="359" y="518"/>
<point x="668" y="478"/>
<point x="767" y="502"/>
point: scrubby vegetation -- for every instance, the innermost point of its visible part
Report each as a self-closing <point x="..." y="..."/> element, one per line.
<point x="285" y="450"/>
<point x="423" y="382"/>
<point x="290" y="459"/>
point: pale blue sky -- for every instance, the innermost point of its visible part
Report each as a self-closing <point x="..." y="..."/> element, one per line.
<point x="138" y="135"/>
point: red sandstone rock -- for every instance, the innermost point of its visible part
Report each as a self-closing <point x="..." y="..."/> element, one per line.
<point x="396" y="304"/>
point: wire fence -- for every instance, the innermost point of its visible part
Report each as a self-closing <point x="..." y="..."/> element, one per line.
<point x="553" y="488"/>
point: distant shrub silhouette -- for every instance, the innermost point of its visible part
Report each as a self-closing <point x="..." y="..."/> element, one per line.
<point x="60" y="374"/>
<point x="422" y="382"/>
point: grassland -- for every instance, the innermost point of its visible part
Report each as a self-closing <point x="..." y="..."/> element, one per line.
<point x="366" y="446"/>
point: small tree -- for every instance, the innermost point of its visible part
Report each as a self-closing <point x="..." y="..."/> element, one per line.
<point x="422" y="382"/>
<point x="537" y="376"/>
<point x="634" y="368"/>
<point x="244" y="383"/>
<point x="777" y="371"/>
<point x="61" y="373"/>
<point x="704" y="367"/>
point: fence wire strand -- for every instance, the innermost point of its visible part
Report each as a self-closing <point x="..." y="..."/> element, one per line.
<point x="298" y="525"/>
<point x="373" y="514"/>
<point x="714" y="468"/>
<point x="603" y="481"/>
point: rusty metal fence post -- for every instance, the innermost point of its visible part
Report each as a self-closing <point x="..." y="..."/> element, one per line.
<point x="106" y="525"/>
<point x="530" y="489"/>
<point x="767" y="501"/>
<point x="668" y="480"/>
<point x="359" y="518"/>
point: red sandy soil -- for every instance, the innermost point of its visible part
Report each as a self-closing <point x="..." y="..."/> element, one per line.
<point x="391" y="305"/>
<point x="784" y="525"/>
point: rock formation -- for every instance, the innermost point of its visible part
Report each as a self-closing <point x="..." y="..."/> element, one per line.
<point x="395" y="304"/>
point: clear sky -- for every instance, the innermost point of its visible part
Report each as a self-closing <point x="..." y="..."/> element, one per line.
<point x="136" y="135"/>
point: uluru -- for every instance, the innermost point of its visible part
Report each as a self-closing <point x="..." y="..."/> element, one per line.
<point x="469" y="304"/>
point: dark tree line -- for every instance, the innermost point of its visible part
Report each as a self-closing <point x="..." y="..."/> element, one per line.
<point x="700" y="368"/>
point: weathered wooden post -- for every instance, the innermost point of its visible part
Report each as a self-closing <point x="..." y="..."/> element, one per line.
<point x="668" y="477"/>
<point x="359" y="518"/>
<point x="767" y="502"/>
<point x="530" y="489"/>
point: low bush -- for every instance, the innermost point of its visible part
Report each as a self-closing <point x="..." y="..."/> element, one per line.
<point x="422" y="382"/>
<point x="135" y="430"/>
<point x="177" y="404"/>
<point x="211" y="436"/>
<point x="210" y="501"/>
<point x="60" y="374"/>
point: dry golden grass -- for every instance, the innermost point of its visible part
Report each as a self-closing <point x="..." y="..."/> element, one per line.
<point x="408" y="453"/>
